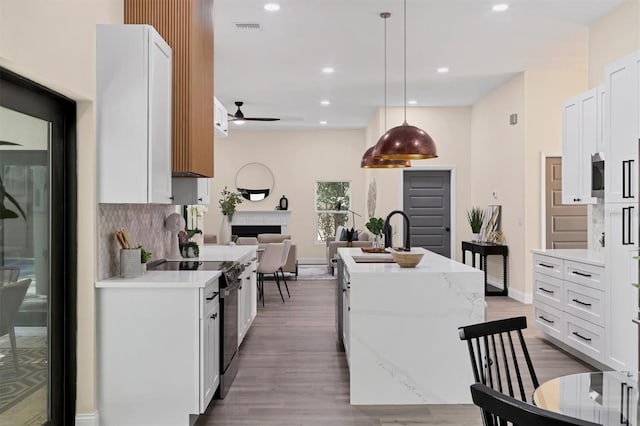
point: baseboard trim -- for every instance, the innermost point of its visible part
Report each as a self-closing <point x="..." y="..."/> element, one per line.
<point x="87" y="419"/>
<point x="521" y="297"/>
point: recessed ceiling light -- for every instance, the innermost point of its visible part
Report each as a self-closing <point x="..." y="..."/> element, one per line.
<point x="443" y="70"/>
<point x="272" y="7"/>
<point x="238" y="122"/>
<point x="328" y="70"/>
<point x="412" y="102"/>
<point x="500" y="7"/>
<point x="323" y="122"/>
<point x="325" y="102"/>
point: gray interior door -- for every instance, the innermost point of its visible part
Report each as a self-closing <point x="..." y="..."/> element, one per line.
<point x="566" y="224"/>
<point x="427" y="202"/>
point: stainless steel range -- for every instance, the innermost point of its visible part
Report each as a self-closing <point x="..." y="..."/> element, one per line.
<point x="229" y="284"/>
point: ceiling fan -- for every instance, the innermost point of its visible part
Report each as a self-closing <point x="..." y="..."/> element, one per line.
<point x="239" y="116"/>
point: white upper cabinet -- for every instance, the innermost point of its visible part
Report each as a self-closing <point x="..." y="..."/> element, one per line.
<point x="621" y="130"/>
<point x="220" y="119"/>
<point x="579" y="141"/>
<point x="191" y="191"/>
<point x="133" y="113"/>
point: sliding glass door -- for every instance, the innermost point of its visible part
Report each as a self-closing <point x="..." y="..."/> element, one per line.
<point x="37" y="254"/>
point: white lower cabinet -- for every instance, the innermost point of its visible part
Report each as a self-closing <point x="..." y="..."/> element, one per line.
<point x="621" y="399"/>
<point x="210" y="338"/>
<point x="247" y="296"/>
<point x="158" y="350"/>
<point x="622" y="298"/>
<point x="569" y="303"/>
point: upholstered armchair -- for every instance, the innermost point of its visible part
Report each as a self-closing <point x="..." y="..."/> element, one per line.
<point x="292" y="260"/>
<point x="364" y="240"/>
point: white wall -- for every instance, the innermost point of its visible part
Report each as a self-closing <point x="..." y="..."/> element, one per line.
<point x="611" y="37"/>
<point x="497" y="163"/>
<point x="297" y="159"/>
<point x="53" y="43"/>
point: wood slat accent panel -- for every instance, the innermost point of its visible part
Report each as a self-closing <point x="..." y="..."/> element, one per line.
<point x="187" y="26"/>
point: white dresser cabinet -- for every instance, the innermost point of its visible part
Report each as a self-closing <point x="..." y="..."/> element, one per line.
<point x="570" y="299"/>
<point x="579" y="141"/>
<point x="133" y="115"/>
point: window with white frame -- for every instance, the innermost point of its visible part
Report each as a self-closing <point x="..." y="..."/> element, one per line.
<point x="333" y="202"/>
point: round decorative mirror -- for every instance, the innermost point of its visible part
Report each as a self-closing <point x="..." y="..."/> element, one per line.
<point x="254" y="181"/>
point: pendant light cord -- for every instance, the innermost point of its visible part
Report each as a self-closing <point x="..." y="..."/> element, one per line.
<point x="385" y="71"/>
<point x="405" y="61"/>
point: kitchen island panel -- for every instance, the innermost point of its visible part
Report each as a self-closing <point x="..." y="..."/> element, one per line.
<point x="404" y="344"/>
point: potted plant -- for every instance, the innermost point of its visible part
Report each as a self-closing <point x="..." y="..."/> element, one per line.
<point x="145" y="256"/>
<point x="227" y="204"/>
<point x="374" y="225"/>
<point x="475" y="216"/>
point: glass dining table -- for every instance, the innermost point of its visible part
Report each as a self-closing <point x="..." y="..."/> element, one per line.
<point x="607" y="398"/>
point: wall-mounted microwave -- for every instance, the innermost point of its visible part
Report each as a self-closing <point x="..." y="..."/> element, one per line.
<point x="597" y="175"/>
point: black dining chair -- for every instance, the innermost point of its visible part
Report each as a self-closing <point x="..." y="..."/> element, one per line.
<point x="499" y="409"/>
<point x="496" y="356"/>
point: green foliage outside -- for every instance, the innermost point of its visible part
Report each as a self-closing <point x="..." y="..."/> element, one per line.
<point x="328" y="196"/>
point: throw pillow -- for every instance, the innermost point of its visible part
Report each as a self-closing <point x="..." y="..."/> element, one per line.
<point x="343" y="235"/>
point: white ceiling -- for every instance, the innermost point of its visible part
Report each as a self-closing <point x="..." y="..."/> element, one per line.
<point x="276" y="71"/>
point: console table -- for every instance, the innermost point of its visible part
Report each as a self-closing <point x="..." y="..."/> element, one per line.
<point x="484" y="250"/>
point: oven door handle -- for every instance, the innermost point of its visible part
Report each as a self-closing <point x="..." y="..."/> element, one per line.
<point x="226" y="292"/>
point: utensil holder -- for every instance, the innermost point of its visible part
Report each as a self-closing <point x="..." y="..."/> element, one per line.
<point x="130" y="263"/>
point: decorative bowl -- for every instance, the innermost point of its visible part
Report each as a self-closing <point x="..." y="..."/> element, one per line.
<point x="406" y="259"/>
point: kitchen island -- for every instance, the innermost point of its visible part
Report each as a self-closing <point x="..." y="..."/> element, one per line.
<point x="399" y="327"/>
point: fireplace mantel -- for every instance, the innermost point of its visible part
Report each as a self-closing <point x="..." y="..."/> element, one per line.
<point x="262" y="217"/>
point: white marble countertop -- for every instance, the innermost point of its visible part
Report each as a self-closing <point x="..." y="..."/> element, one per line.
<point x="592" y="257"/>
<point x="431" y="263"/>
<point x="182" y="279"/>
<point x="162" y="279"/>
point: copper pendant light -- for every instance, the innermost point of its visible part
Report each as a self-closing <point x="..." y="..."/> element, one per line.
<point x="368" y="160"/>
<point x="405" y="142"/>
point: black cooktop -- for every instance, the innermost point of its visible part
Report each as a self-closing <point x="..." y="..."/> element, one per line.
<point x="190" y="265"/>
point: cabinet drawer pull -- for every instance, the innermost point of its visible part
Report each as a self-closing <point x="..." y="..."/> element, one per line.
<point x="622" y="385"/>
<point x="544" y="265"/>
<point x="546" y="320"/>
<point x="214" y="316"/>
<point x="213" y="296"/>
<point x="575" y="333"/>
<point x="547" y="291"/>
<point x="582" y="274"/>
<point x="582" y="303"/>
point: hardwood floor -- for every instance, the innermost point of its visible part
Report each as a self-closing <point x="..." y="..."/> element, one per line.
<point x="291" y="371"/>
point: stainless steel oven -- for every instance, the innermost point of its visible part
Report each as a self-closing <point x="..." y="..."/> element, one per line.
<point x="229" y="285"/>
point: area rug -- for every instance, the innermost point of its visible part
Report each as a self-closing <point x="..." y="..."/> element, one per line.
<point x="31" y="375"/>
<point x="315" y="272"/>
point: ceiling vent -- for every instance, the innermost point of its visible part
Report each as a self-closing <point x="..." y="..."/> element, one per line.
<point x="247" y="26"/>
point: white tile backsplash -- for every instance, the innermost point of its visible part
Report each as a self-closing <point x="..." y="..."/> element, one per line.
<point x="145" y="223"/>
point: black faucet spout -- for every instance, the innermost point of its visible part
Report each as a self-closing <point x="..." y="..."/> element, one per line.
<point x="386" y="230"/>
